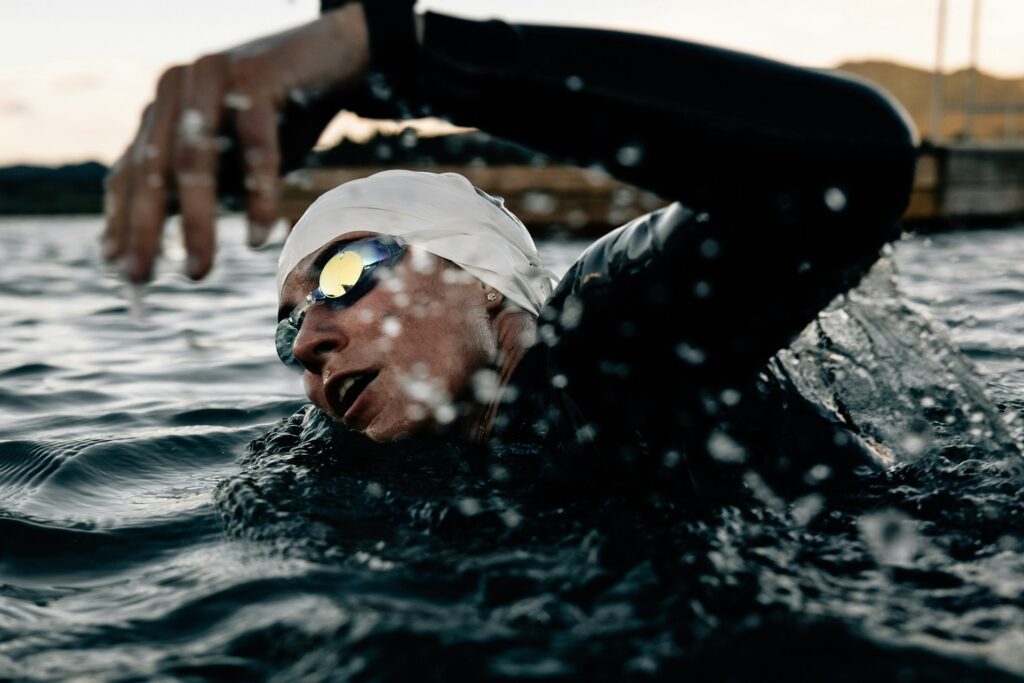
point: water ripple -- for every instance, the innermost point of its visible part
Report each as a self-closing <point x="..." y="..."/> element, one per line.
<point x="140" y="538"/>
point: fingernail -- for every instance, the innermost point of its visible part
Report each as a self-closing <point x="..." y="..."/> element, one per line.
<point x="128" y="265"/>
<point x="109" y="249"/>
<point x="193" y="267"/>
<point x="258" y="234"/>
<point x="135" y="269"/>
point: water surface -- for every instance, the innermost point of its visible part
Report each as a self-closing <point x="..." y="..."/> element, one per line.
<point x="140" y="535"/>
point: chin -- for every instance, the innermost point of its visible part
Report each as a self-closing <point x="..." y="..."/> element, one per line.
<point x="383" y="430"/>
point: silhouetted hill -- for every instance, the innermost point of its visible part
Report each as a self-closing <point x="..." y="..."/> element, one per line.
<point x="913" y="88"/>
<point x="77" y="188"/>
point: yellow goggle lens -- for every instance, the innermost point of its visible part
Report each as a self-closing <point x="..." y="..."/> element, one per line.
<point x="341" y="274"/>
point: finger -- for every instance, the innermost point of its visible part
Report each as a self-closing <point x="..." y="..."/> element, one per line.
<point x="150" y="165"/>
<point x="257" y="135"/>
<point x="195" y="160"/>
<point x="116" y="191"/>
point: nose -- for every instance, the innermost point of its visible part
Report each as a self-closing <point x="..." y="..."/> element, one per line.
<point x="321" y="335"/>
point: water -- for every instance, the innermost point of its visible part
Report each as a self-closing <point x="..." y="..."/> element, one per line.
<point x="141" y="538"/>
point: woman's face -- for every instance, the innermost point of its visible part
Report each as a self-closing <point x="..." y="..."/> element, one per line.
<point x="398" y="361"/>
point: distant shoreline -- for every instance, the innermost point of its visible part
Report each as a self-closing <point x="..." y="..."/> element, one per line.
<point x="41" y="190"/>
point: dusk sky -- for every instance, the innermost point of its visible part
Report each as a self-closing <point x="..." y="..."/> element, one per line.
<point x="75" y="75"/>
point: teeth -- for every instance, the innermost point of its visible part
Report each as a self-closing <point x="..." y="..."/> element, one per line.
<point x="345" y="386"/>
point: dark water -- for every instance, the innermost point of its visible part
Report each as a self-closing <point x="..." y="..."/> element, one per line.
<point x="142" y="537"/>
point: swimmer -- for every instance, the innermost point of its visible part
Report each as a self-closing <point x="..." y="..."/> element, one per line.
<point x="415" y="304"/>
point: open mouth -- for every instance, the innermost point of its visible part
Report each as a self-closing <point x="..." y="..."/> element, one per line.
<point x="350" y="390"/>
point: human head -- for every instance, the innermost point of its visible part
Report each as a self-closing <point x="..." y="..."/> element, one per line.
<point x="449" y="318"/>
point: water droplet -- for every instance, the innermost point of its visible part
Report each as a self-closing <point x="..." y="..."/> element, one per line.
<point x="624" y="197"/>
<point x="890" y="536"/>
<point x="455" y="276"/>
<point x="835" y="199"/>
<point x="391" y="326"/>
<point x="730" y="397"/>
<point x="724" y="448"/>
<point x="818" y="474"/>
<point x="192" y="125"/>
<point x="572" y="312"/>
<point x="299" y="97"/>
<point x="486" y="385"/>
<point x="914" y="443"/>
<point x="445" y="413"/>
<point x="408" y="138"/>
<point x="511" y="518"/>
<point x="548" y="335"/>
<point x="629" y="155"/>
<point x="690" y="354"/>
<point x="808" y="507"/>
<point x="574" y="83"/>
<point x="237" y="101"/>
<point x="672" y="459"/>
<point x="559" y="381"/>
<point x="421" y="261"/>
<point x="709" y="248"/>
<point x="469" y="506"/>
<point x="586" y="434"/>
<point x="539" y="202"/>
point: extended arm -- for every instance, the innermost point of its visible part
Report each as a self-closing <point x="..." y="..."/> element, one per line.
<point x="712" y="128"/>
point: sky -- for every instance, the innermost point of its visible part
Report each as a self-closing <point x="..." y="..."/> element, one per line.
<point x="75" y="74"/>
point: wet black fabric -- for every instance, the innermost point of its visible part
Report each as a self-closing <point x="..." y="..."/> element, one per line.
<point x="788" y="182"/>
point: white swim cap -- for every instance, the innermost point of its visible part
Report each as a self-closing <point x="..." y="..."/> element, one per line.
<point x="439" y="213"/>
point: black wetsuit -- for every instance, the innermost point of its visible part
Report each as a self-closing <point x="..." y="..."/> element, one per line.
<point x="788" y="181"/>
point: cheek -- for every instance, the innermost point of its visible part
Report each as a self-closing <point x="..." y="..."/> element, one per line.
<point x="462" y="350"/>
<point x="314" y="390"/>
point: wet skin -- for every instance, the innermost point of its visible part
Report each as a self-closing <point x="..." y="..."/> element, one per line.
<point x="425" y="329"/>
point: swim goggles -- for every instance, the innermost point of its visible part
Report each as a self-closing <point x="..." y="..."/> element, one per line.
<point x="346" y="274"/>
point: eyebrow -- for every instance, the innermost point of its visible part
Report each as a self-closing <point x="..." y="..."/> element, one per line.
<point x="326" y="254"/>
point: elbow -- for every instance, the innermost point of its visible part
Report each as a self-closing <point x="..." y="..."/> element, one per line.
<point x="884" y="151"/>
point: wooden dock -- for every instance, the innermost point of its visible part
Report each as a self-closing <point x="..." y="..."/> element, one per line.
<point x="956" y="186"/>
<point x="967" y="185"/>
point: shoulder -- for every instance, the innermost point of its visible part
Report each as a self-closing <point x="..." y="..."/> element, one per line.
<point x="625" y="251"/>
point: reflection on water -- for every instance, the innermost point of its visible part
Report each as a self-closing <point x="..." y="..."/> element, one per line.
<point x="140" y="536"/>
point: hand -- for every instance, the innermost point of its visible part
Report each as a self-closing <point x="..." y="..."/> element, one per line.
<point x="241" y="91"/>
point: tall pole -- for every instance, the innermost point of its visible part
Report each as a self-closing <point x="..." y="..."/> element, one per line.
<point x="935" y="119"/>
<point x="972" y="72"/>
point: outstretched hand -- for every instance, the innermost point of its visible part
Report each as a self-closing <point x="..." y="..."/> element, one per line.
<point x="242" y="92"/>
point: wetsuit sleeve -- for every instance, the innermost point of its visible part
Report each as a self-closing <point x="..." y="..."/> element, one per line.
<point x="712" y="128"/>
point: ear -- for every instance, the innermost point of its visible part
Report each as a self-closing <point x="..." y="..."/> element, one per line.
<point x="493" y="299"/>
